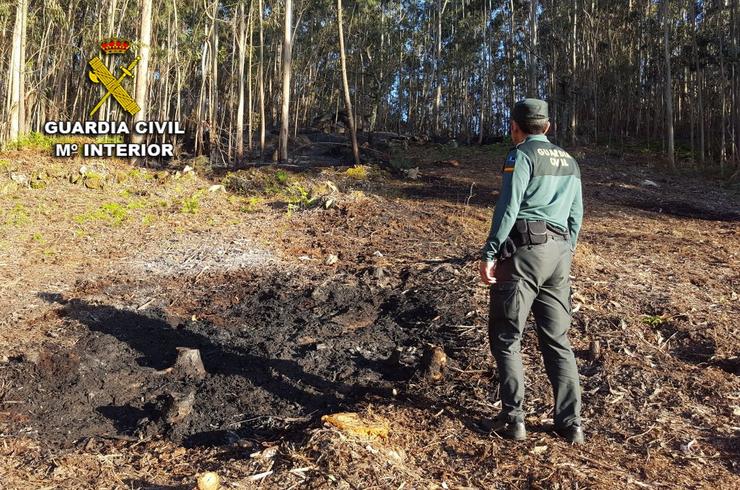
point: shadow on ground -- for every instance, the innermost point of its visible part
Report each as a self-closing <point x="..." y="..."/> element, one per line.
<point x="287" y="352"/>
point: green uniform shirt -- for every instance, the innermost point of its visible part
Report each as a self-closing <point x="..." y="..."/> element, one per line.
<point x="541" y="181"/>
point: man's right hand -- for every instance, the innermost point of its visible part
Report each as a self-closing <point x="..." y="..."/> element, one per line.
<point x="487" y="271"/>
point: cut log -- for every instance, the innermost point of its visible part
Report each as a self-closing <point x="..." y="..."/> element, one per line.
<point x="351" y="423"/>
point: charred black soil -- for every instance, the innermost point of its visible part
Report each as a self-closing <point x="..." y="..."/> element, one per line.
<point x="279" y="349"/>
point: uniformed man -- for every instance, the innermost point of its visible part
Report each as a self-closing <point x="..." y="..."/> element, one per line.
<point x="526" y="260"/>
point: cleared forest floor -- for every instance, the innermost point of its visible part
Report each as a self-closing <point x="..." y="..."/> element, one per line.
<point x="318" y="292"/>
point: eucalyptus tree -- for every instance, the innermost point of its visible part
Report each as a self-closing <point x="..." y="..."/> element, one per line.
<point x="15" y="106"/>
<point x="142" y="78"/>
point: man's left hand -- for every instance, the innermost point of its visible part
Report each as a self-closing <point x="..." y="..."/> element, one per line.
<point x="487" y="271"/>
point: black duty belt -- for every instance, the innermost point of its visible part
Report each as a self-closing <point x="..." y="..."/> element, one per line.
<point x="527" y="233"/>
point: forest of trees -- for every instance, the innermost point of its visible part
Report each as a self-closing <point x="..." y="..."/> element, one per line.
<point x="614" y="72"/>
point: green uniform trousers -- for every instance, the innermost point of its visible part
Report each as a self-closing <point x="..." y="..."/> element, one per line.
<point x="535" y="278"/>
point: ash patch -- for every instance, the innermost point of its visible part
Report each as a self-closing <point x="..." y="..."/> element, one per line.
<point x="192" y="256"/>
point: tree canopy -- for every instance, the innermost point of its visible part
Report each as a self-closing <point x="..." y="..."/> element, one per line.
<point x="447" y="69"/>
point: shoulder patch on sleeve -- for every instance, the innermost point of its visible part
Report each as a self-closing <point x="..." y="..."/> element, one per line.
<point x="510" y="162"/>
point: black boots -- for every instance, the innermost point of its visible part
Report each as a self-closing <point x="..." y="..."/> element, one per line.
<point x="572" y="433"/>
<point x="517" y="431"/>
<point x="507" y="430"/>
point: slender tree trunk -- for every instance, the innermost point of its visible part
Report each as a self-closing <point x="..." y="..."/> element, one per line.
<point x="22" y="73"/>
<point x="723" y="109"/>
<point x="261" y="76"/>
<point x="399" y="89"/>
<point x="17" y="66"/>
<point x="668" y="92"/>
<point x="437" y="62"/>
<point x="735" y="87"/>
<point x="483" y="77"/>
<point x="378" y="95"/>
<point x="639" y="78"/>
<point x="142" y="69"/>
<point x="200" y="106"/>
<point x="345" y="83"/>
<point x="510" y="56"/>
<point x="178" y="73"/>
<point x="213" y="103"/>
<point x="240" y="107"/>
<point x="286" y="68"/>
<point x="249" y="80"/>
<point x="595" y="89"/>
<point x="108" y="108"/>
<point x="532" y="51"/>
<point x="232" y="96"/>
<point x="572" y="85"/>
<point x="699" y="85"/>
<point x="164" y="104"/>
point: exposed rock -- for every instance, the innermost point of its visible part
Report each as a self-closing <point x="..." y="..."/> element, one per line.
<point x="413" y="173"/>
<point x="19" y="178"/>
<point x="93" y="182"/>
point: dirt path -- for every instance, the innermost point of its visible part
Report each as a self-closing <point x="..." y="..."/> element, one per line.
<point x="316" y="293"/>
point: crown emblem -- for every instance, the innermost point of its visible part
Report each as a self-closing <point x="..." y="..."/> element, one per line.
<point x="114" y="46"/>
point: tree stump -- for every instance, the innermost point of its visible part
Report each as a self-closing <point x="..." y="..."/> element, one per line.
<point x="178" y="407"/>
<point x="594" y="350"/>
<point x="189" y="364"/>
<point x="394" y="360"/>
<point x="433" y="363"/>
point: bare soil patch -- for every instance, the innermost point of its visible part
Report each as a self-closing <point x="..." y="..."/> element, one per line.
<point x="287" y="336"/>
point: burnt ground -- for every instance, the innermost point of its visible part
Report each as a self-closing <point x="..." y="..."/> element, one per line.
<point x="100" y="286"/>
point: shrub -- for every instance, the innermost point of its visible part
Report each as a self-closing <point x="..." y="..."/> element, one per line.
<point x="191" y="205"/>
<point x="358" y="172"/>
<point x="112" y="213"/>
<point x="281" y="176"/>
<point x="32" y="141"/>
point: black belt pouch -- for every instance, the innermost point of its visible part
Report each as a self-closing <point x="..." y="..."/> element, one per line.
<point x="537" y="231"/>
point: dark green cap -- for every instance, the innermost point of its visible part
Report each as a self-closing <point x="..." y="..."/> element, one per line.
<point x="529" y="109"/>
